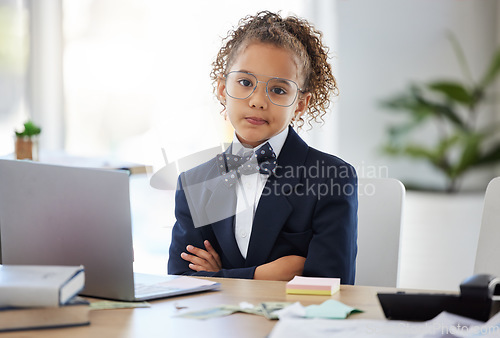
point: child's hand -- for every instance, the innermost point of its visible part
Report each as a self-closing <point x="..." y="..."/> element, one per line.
<point x="203" y="260"/>
<point x="284" y="268"/>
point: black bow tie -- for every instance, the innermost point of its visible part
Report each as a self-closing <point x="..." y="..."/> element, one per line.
<point x="266" y="159"/>
<point x="231" y="166"/>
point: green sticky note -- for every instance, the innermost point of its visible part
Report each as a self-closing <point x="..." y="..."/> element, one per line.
<point x="330" y="309"/>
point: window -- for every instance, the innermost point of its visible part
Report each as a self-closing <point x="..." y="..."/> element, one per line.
<point x="136" y="75"/>
<point x="13" y="70"/>
<point x="136" y="84"/>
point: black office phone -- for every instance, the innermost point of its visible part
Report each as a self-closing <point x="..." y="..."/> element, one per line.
<point x="479" y="299"/>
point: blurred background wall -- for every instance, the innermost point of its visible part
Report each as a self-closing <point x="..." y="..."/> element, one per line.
<point x="385" y="45"/>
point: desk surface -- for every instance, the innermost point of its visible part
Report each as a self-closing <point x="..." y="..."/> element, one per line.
<point x="160" y="319"/>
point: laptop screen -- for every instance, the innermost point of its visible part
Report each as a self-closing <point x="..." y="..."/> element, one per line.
<point x="69" y="216"/>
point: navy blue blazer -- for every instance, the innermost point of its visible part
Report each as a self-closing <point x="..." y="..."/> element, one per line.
<point x="308" y="208"/>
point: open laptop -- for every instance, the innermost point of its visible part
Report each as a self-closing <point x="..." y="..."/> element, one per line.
<point x="58" y="215"/>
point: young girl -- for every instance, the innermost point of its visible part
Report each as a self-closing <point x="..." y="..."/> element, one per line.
<point x="270" y="206"/>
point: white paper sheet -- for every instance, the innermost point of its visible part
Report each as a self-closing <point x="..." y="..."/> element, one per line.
<point x="444" y="325"/>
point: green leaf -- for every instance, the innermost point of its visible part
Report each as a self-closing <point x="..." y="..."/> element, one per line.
<point x="490" y="157"/>
<point x="402" y="102"/>
<point x="420" y="108"/>
<point x="492" y="129"/>
<point x="417" y="151"/>
<point x="470" y="152"/>
<point x="453" y="91"/>
<point x="462" y="60"/>
<point x="30" y="129"/>
<point x="391" y="150"/>
<point x="445" y="144"/>
<point x="398" y="132"/>
<point x="492" y="71"/>
<point x="443" y="110"/>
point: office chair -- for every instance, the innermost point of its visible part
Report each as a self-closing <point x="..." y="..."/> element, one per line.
<point x="380" y="211"/>
<point x="488" y="248"/>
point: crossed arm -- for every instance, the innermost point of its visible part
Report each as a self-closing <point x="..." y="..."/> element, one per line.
<point x="331" y="251"/>
<point x="284" y="268"/>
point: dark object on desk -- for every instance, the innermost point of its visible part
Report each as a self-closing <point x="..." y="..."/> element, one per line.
<point x="477" y="300"/>
<point x="74" y="313"/>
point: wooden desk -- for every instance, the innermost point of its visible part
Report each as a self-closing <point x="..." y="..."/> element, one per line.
<point x="160" y="320"/>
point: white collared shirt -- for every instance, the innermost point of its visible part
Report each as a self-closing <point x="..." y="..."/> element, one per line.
<point x="248" y="192"/>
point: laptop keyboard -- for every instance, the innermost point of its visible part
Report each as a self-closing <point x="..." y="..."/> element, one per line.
<point x="141" y="289"/>
<point x="148" y="286"/>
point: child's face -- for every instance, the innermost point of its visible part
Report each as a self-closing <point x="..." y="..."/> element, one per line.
<point x="255" y="118"/>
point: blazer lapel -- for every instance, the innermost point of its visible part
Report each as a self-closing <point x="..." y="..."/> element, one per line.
<point x="220" y="210"/>
<point x="274" y="208"/>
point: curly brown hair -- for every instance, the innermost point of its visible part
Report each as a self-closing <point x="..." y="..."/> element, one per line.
<point x="298" y="36"/>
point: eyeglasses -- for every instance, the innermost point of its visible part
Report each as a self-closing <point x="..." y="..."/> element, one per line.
<point x="281" y="92"/>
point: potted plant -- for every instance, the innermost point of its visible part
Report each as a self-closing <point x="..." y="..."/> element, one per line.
<point x="453" y="109"/>
<point x="27" y="142"/>
<point x="445" y="222"/>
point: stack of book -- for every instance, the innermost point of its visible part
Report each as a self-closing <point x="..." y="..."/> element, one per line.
<point x="41" y="296"/>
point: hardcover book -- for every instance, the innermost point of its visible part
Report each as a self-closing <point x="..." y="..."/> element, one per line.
<point x="74" y="313"/>
<point x="39" y="285"/>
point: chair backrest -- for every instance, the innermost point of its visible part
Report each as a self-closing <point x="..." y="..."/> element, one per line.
<point x="488" y="248"/>
<point x="380" y="213"/>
